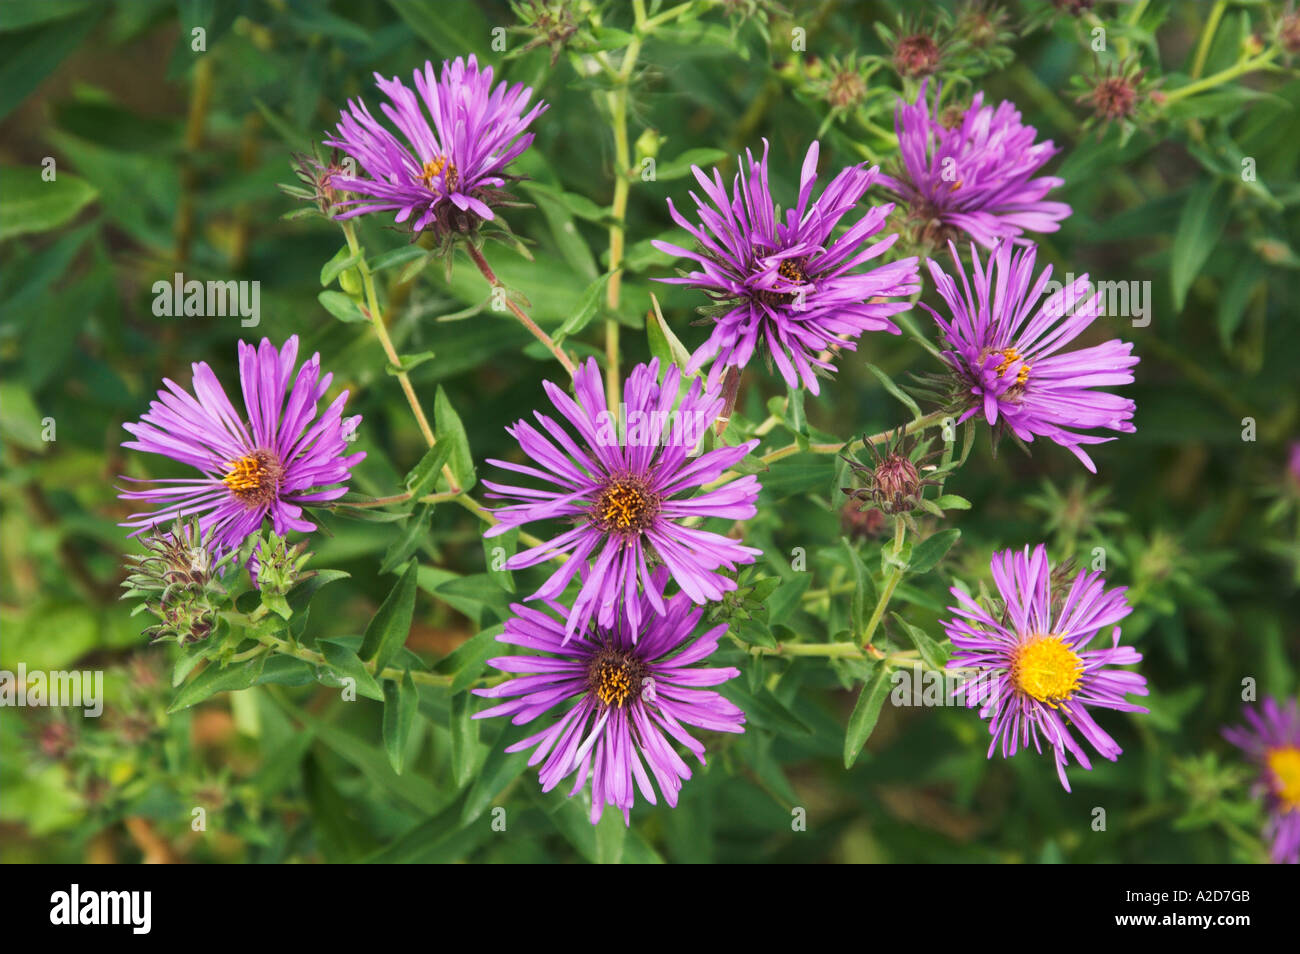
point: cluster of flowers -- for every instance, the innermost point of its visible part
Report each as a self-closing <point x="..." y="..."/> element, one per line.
<point x="620" y="658"/>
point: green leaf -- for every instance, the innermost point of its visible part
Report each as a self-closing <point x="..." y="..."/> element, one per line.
<point x="340" y="306"/>
<point x="664" y="345"/>
<point x="1201" y="224"/>
<point x="422" y="477"/>
<point x="865" y="714"/>
<point x="31" y="204"/>
<point x="386" y="633"/>
<point x="611" y="833"/>
<point x="680" y="165"/>
<point x="465" y="745"/>
<point x="399" y="715"/>
<point x="20" y="420"/>
<point x="934" y="655"/>
<point x="214" y="679"/>
<point x="28" y="56"/>
<point x="349" y="664"/>
<point x="409" y="362"/>
<point x="953" y="502"/>
<point x="927" y="553"/>
<point x="586" y="309"/>
<point x="895" y="390"/>
<point x="343" y="259"/>
<point x="452" y="431"/>
<point x="863" y="589"/>
<point x="395" y="257"/>
<point x="413" y="534"/>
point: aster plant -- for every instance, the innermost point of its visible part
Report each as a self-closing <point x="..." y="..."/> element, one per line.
<point x="277" y="457"/>
<point x="788" y="284"/>
<point x="1005" y="349"/>
<point x="628" y="485"/>
<point x="972" y="171"/>
<point x="459" y="135"/>
<point x="1033" y="673"/>
<point x="1271" y="739"/>
<point x="625" y="695"/>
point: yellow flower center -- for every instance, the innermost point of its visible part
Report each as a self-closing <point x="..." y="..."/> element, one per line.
<point x="1284" y="764"/>
<point x="792" y="271"/>
<point x="615" y="678"/>
<point x="255" y="478"/>
<point x="1009" y="357"/>
<point x="624" y="506"/>
<point x="433" y="168"/>
<point x="1047" y="669"/>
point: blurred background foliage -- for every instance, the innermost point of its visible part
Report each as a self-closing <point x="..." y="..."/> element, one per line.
<point x="168" y="160"/>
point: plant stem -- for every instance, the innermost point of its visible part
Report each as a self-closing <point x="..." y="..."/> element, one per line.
<point x="895" y="576"/>
<point x="616" y="100"/>
<point x="1223" y="76"/>
<point x="1207" y="35"/>
<point x="381" y="332"/>
<point x="486" y="270"/>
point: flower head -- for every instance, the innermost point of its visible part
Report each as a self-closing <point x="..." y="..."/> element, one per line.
<point x="1005" y="348"/>
<point x="270" y="461"/>
<point x="1272" y="740"/>
<point x="787" y="284"/>
<point x="1035" y="677"/>
<point x="626" y="486"/>
<point x="976" y="175"/>
<point x="630" y="690"/>
<point x="460" y="135"/>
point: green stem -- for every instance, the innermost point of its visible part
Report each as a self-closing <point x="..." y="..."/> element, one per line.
<point x="1218" y="79"/>
<point x="381" y="332"/>
<point x="1207" y="35"/>
<point x="891" y="584"/>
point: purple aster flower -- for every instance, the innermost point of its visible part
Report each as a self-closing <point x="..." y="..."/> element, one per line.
<point x="626" y="486"/>
<point x="1006" y="350"/>
<point x="631" y="690"/>
<point x="1035" y="678"/>
<point x="974" y="173"/>
<point x="1272" y="740"/>
<point x="787" y="285"/>
<point x="270" y="462"/>
<point x="447" y="173"/>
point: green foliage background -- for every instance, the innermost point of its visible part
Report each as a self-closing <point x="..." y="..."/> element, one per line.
<point x="168" y="161"/>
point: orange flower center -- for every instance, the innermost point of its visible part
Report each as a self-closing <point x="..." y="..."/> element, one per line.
<point x="255" y="478"/>
<point x="1009" y="357"/>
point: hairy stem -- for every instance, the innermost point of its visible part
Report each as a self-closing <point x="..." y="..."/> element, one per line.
<point x="486" y="270"/>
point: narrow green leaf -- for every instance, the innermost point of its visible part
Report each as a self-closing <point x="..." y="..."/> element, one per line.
<point x="895" y="390"/>
<point x="422" y="477"/>
<point x="386" y="633"/>
<point x="31" y="204"/>
<point x="865" y="714"/>
<point x="927" y="553"/>
<point x="451" y="430"/>
<point x="343" y="259"/>
<point x="348" y="664"/>
<point x="1202" y="222"/>
<point x="340" y="306"/>
<point x="399" y="715"/>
